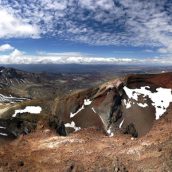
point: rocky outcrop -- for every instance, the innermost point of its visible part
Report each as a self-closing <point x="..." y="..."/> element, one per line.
<point x="97" y="107"/>
<point x="111" y="109"/>
<point x="58" y="125"/>
<point x="13" y="127"/>
<point x="125" y="105"/>
<point x="118" y="108"/>
<point x="14" y="77"/>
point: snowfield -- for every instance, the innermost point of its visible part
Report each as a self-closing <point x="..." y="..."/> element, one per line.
<point x="160" y="99"/>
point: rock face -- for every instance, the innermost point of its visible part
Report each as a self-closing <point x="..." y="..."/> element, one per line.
<point x="43" y="85"/>
<point x="11" y="76"/>
<point x="26" y="84"/>
<point x="123" y="107"/>
<point x="126" y="105"/>
<point x="14" y="127"/>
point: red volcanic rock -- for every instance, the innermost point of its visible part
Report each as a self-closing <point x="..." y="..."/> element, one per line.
<point x="107" y="109"/>
<point x="157" y="80"/>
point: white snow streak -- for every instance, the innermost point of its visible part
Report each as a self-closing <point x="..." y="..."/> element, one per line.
<point x="120" y="125"/>
<point x="93" y="110"/>
<point x="87" y="102"/>
<point x="79" y="110"/>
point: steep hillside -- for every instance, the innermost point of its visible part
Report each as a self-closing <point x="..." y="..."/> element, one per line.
<point x="129" y="105"/>
<point x="122" y="125"/>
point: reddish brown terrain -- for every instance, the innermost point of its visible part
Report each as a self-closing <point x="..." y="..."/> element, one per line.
<point x="90" y="150"/>
<point x="146" y="147"/>
<point x="163" y="80"/>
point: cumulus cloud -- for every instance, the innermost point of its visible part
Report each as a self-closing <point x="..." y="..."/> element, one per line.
<point x="6" y="47"/>
<point x="96" y="22"/>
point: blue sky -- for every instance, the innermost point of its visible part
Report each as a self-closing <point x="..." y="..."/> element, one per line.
<point x="86" y="31"/>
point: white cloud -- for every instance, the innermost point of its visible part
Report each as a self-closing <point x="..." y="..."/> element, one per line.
<point x="75" y="54"/>
<point x="6" y="47"/>
<point x="16" y="53"/>
<point x="54" y="5"/>
<point x="26" y="59"/>
<point x="12" y="26"/>
<point x="96" y="22"/>
<point x="167" y="47"/>
<point x="94" y="4"/>
<point x="18" y="57"/>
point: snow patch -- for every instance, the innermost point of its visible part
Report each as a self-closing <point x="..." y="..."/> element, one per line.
<point x="127" y="104"/>
<point x="87" y="102"/>
<point x="161" y="98"/>
<point x="142" y="105"/>
<point x="28" y="109"/>
<point x="1" y="127"/>
<point x="72" y="125"/>
<point x="110" y="133"/>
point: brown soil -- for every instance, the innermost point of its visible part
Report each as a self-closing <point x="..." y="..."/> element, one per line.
<point x="91" y="150"/>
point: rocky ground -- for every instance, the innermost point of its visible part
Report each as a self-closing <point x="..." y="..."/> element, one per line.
<point x="104" y="141"/>
<point x="91" y="150"/>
